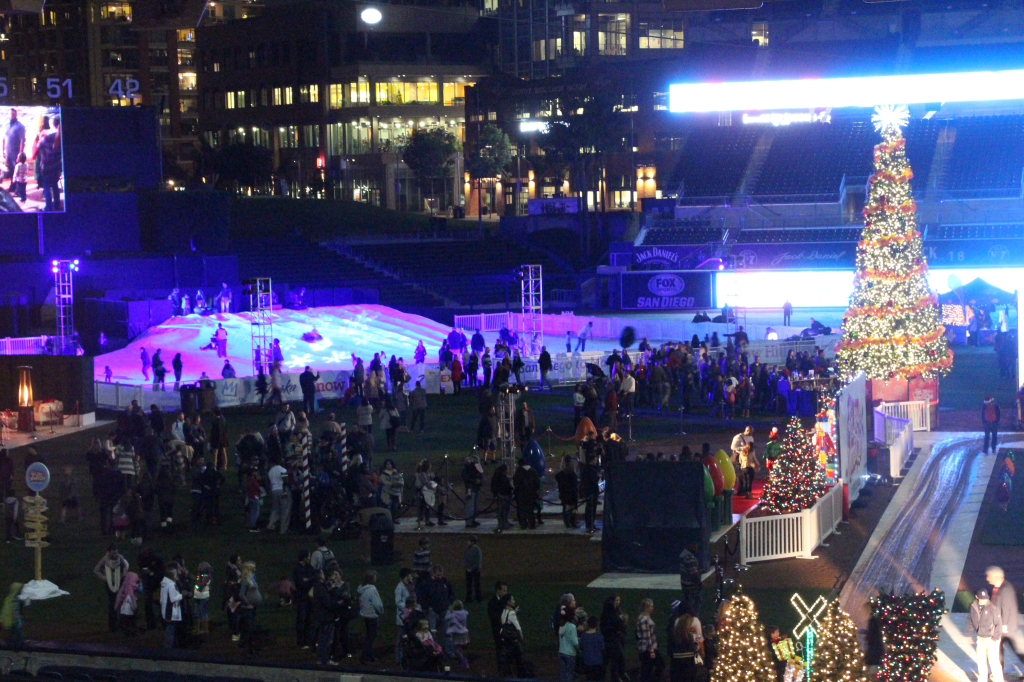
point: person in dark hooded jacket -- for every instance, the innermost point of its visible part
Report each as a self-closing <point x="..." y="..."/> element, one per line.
<point x="526" y="485"/>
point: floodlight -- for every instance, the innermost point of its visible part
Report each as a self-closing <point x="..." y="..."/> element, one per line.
<point x="371" y="15"/>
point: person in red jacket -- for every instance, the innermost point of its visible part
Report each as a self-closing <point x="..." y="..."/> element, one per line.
<point x="611" y="408"/>
<point x="990" y="422"/>
<point x="456" y="375"/>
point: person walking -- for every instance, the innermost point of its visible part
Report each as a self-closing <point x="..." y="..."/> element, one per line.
<point x="568" y="342"/>
<point x="221" y="338"/>
<point x="371" y="608"/>
<point x="323" y="619"/>
<point x="219" y="440"/>
<point x="544" y="364"/>
<point x="613" y="629"/>
<point x="990" y="415"/>
<point x="787" y="313"/>
<point x="303" y="575"/>
<point x="651" y="662"/>
<point x="111" y="569"/>
<point x="146" y="363"/>
<point x="568" y="647"/>
<point x="510" y="659"/>
<point x="127" y="604"/>
<point x="473" y="564"/>
<point x="250" y="598"/>
<point x="568" y="490"/>
<point x="473" y="480"/>
<point x="307" y="382"/>
<point x="418" y="405"/>
<point x="501" y="489"/>
<point x="170" y="606"/>
<point x="177" y="367"/>
<point x="392" y="487"/>
<point x="280" y="498"/>
<point x="526" y="486"/>
<point x="1004" y="597"/>
<point x="590" y="486"/>
<point x="486" y="362"/>
<point x="581" y="338"/>
<point x="986" y="624"/>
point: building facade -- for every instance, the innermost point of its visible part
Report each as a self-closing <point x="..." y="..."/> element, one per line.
<point x="334" y="98"/>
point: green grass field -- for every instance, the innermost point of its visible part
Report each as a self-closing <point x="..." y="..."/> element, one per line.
<point x="539" y="568"/>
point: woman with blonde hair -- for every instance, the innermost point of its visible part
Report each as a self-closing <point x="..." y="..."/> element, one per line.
<point x="250" y="597"/>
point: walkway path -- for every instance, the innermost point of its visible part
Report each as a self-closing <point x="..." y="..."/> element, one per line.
<point x="922" y="540"/>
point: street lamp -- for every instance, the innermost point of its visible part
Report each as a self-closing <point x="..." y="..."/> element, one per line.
<point x="371" y="15"/>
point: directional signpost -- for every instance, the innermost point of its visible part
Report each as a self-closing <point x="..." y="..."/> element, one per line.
<point x="37" y="477"/>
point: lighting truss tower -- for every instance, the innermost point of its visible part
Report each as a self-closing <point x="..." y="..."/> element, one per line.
<point x="531" y="284"/>
<point x="507" y="426"/>
<point x="64" y="299"/>
<point x="261" y="321"/>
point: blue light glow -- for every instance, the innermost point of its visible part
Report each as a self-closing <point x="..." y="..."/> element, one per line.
<point x="832" y="288"/>
<point x="866" y="91"/>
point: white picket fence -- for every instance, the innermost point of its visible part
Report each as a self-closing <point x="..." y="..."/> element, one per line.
<point x="25" y="345"/>
<point x="784" y="536"/>
<point x="918" y="412"/>
<point x="898" y="434"/>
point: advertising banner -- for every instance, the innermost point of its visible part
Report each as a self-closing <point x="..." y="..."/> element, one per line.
<point x="853" y="434"/>
<point x="829" y="256"/>
<point x="31" y="159"/>
<point x="666" y="290"/>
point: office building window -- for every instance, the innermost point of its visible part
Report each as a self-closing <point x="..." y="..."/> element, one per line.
<point x="612" y="34"/>
<point x="311" y="136"/>
<point x="661" y="35"/>
<point x="357" y="137"/>
<point x="288" y="137"/>
<point x="230" y="100"/>
<point x="309" y="94"/>
<point x="579" y="34"/>
<point x="277" y="97"/>
<point x="759" y="33"/>
<point x="288" y="99"/>
<point x="406" y="93"/>
<point x="454" y="93"/>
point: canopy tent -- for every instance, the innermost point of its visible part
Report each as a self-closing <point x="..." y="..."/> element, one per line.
<point x="976" y="293"/>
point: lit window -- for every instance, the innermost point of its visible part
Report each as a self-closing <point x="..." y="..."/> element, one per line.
<point x="612" y="34"/>
<point x="309" y="93"/>
<point x="116" y="11"/>
<point x="759" y="34"/>
<point x="240" y="99"/>
<point x="230" y="101"/>
<point x="186" y="35"/>
<point x="186" y="81"/>
<point x="277" y="97"/>
<point x="579" y="34"/>
<point x="661" y="35"/>
<point x="288" y="99"/>
<point x="454" y="94"/>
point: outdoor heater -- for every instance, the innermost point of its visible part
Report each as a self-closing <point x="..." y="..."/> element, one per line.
<point x="26" y="417"/>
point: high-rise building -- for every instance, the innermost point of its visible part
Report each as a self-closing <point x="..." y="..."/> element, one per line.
<point x="332" y="93"/>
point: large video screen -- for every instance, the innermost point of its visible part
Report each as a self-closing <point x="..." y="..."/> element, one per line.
<point x="31" y="160"/>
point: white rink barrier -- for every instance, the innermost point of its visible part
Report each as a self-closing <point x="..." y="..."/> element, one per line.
<point x="784" y="536"/>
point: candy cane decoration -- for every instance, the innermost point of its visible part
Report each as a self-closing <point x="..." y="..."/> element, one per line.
<point x="304" y="444"/>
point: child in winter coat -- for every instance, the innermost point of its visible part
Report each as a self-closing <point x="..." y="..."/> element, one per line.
<point x="458" y="630"/>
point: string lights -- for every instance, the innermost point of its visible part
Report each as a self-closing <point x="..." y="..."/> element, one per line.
<point x="893" y="327"/>
<point x="797" y="479"/>
<point x="910" y="632"/>
<point x="837" y="653"/>
<point x="743" y="650"/>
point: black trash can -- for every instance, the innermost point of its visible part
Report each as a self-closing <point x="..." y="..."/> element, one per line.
<point x="207" y="396"/>
<point x="382" y="540"/>
<point x="189" y="400"/>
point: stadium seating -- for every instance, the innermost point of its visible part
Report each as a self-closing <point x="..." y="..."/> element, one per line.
<point x="300" y="263"/>
<point x="987" y="157"/>
<point x="714" y="160"/>
<point x="796" y="236"/>
<point x="468" y="272"/>
<point x="938" y="232"/>
<point x="686" y="231"/>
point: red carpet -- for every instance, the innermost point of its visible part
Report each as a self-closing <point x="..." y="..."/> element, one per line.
<point x="741" y="505"/>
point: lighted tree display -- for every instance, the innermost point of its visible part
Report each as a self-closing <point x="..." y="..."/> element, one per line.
<point x="892" y="328"/>
<point x="797" y="479"/>
<point x="837" y="653"/>
<point x="910" y="631"/>
<point x="742" y="650"/>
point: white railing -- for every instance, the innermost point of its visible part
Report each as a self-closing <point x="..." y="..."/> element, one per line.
<point x="898" y="435"/>
<point x="784" y="536"/>
<point x="901" y="449"/>
<point x="120" y="395"/>
<point x="25" y="345"/>
<point x="918" y="412"/>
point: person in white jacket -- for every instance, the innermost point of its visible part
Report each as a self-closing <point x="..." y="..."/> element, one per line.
<point x="371" y="608"/>
<point x="170" y="606"/>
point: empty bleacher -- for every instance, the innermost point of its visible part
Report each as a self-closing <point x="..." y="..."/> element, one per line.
<point x="807" y="163"/>
<point x="301" y="263"/>
<point x="713" y="160"/>
<point x="797" y="236"/>
<point x="939" y="232"/>
<point x="684" y="231"/>
<point x="987" y="157"/>
<point x="477" y="272"/>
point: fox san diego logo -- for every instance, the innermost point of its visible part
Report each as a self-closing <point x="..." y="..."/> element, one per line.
<point x="666" y="285"/>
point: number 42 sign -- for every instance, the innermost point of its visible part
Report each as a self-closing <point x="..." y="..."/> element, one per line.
<point x="124" y="87"/>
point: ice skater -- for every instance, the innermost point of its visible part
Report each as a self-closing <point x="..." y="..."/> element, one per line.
<point x="221" y="337"/>
<point x="146" y="363"/>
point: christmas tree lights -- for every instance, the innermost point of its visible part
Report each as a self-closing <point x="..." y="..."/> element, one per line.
<point x="837" y="653"/>
<point x="743" y="650"/>
<point x="892" y="329"/>
<point x="910" y="632"/>
<point x="797" y="479"/>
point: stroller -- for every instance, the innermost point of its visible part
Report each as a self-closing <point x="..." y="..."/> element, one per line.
<point x="417" y="657"/>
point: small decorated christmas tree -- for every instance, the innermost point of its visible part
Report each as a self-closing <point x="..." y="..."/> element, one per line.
<point x="742" y="650"/>
<point x="797" y="479"/>
<point x="837" y="653"/>
<point x="910" y="631"/>
<point x="892" y="329"/>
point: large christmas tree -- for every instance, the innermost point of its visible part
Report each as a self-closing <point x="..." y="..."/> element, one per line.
<point x="837" y="653"/>
<point x="742" y="650"/>
<point x="892" y="329"/>
<point x="797" y="479"/>
<point x="910" y="631"/>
